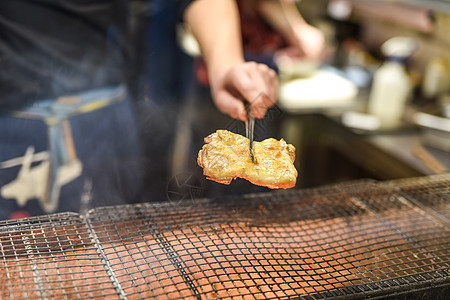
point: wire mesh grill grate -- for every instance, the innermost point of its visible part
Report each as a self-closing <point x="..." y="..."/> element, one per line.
<point x="360" y="239"/>
<point x="50" y="257"/>
<point x="432" y="192"/>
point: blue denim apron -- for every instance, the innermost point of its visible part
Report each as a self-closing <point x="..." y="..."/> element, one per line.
<point x="69" y="154"/>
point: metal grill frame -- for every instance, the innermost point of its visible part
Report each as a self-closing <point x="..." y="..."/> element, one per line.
<point x="220" y="247"/>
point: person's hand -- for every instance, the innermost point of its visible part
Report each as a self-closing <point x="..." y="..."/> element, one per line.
<point x="310" y="41"/>
<point x="251" y="82"/>
<point x="215" y="24"/>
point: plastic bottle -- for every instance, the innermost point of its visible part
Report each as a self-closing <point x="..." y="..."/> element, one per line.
<point x="391" y="86"/>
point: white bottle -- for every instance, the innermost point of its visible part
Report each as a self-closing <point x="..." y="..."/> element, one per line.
<point x="391" y="86"/>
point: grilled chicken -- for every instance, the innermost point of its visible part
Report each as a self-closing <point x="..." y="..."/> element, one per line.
<point x="226" y="157"/>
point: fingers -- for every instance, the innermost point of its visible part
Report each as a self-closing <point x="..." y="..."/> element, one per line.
<point x="311" y="42"/>
<point x="257" y="84"/>
<point x="265" y="98"/>
<point x="268" y="84"/>
<point x="230" y="105"/>
<point x="249" y="82"/>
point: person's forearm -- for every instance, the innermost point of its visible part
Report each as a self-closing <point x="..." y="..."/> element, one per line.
<point x="215" y="24"/>
<point x="282" y="16"/>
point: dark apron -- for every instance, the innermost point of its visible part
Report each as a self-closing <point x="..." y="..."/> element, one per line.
<point x="69" y="154"/>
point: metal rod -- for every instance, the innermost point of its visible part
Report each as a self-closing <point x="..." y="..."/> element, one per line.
<point x="170" y="252"/>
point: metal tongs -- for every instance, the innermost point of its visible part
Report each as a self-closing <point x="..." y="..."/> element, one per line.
<point x="249" y="130"/>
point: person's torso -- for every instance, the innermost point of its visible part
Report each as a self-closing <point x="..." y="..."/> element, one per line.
<point x="55" y="47"/>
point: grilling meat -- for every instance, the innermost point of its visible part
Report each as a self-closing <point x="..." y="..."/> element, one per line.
<point x="226" y="157"/>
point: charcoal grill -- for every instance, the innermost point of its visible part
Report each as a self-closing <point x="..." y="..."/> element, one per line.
<point x="362" y="239"/>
